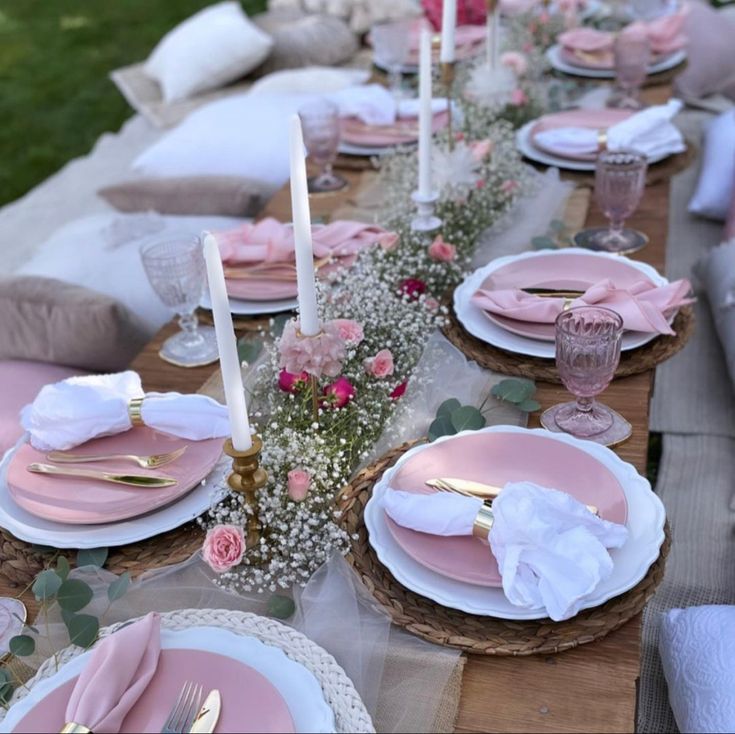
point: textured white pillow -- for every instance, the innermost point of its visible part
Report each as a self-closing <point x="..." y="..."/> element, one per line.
<point x="714" y="190"/>
<point x="212" y="48"/>
<point x="310" y="79"/>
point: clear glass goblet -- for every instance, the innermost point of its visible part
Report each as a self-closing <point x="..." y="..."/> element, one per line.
<point x="632" y="59"/>
<point x="392" y="49"/>
<point x="588" y="342"/>
<point x="620" y="178"/>
<point x="176" y="270"/>
<point x="321" y="127"/>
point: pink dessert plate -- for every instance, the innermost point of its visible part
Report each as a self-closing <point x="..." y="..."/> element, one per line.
<point x="401" y="132"/>
<point x="573" y="271"/>
<point x="87" y="501"/>
<point x="498" y="458"/>
<point x="604" y="60"/>
<point x="250" y="703"/>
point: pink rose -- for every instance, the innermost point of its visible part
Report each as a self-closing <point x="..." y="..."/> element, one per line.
<point x="381" y="365"/>
<point x="413" y="288"/>
<point x="318" y="355"/>
<point x="515" y="61"/>
<point x="509" y="186"/>
<point x="388" y="240"/>
<point x="399" y="390"/>
<point x="339" y="393"/>
<point x="481" y="149"/>
<point x="289" y="382"/>
<point x="299" y="481"/>
<point x="431" y="303"/>
<point x="441" y="250"/>
<point x="518" y="97"/>
<point x="224" y="547"/>
<point x="351" y="331"/>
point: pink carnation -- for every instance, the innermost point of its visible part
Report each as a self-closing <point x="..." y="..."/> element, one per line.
<point x="339" y="393"/>
<point x="515" y="61"/>
<point x="224" y="547"/>
<point x="518" y="97"/>
<point x="318" y="355"/>
<point x="441" y="250"/>
<point x="349" y="330"/>
<point x="299" y="481"/>
<point x="381" y="365"/>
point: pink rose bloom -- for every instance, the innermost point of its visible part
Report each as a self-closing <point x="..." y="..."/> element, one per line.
<point x="388" y="240"/>
<point x="509" y="186"/>
<point x="518" y="97"/>
<point x="339" y="393"/>
<point x="481" y="149"/>
<point x="441" y="250"/>
<point x="399" y="390"/>
<point x="431" y="303"/>
<point x="349" y="330"/>
<point x="299" y="481"/>
<point x="288" y="382"/>
<point x="318" y="355"/>
<point x="413" y="288"/>
<point x="381" y="365"/>
<point x="515" y="61"/>
<point x="224" y="547"/>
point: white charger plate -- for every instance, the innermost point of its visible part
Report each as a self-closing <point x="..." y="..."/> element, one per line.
<point x="645" y="523"/>
<point x="479" y="325"/>
<point x="240" y="307"/>
<point x="298" y="686"/>
<point x="32" y="529"/>
<point x="557" y="61"/>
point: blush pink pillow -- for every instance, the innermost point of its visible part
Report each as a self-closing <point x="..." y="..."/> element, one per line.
<point x="20" y="382"/>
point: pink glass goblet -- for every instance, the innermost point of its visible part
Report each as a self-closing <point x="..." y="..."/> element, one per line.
<point x="632" y="53"/>
<point x="587" y="355"/>
<point x="321" y="127"/>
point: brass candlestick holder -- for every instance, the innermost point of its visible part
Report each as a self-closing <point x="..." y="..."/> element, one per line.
<point x="448" y="76"/>
<point x="247" y="478"/>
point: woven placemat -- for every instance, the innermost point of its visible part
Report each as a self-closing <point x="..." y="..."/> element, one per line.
<point x="632" y="361"/>
<point x="475" y="634"/>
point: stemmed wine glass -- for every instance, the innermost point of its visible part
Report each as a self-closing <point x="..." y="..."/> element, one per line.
<point x="632" y="57"/>
<point x="390" y="42"/>
<point x="587" y="354"/>
<point x="620" y="178"/>
<point x="176" y="270"/>
<point x="321" y="127"/>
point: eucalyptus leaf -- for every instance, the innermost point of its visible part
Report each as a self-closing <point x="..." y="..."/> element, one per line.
<point x="279" y="323"/>
<point x="4" y="675"/>
<point x="441" y="426"/>
<point x="467" y="418"/>
<point x="513" y="390"/>
<point x="281" y="607"/>
<point x="6" y="691"/>
<point x="556" y="225"/>
<point x="543" y="243"/>
<point x="83" y="629"/>
<point x="46" y="585"/>
<point x="447" y="407"/>
<point x="529" y="405"/>
<point x="74" y="595"/>
<point x="116" y="590"/>
<point x="67" y="615"/>
<point x="92" y="557"/>
<point x="22" y="645"/>
<point x="62" y="567"/>
<point x="248" y="350"/>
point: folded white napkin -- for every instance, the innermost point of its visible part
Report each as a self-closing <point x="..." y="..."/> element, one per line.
<point x="78" y="409"/>
<point x="650" y="132"/>
<point x="550" y="549"/>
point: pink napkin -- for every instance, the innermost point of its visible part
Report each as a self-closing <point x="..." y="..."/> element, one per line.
<point x="119" y="670"/>
<point x="467" y="39"/>
<point x="643" y="306"/>
<point x="270" y="241"/>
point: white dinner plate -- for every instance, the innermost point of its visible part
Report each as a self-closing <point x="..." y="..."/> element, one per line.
<point x="557" y="61"/>
<point x="32" y="529"/>
<point x="645" y="523"/>
<point x="297" y="685"/>
<point x="240" y="307"/>
<point x="474" y="320"/>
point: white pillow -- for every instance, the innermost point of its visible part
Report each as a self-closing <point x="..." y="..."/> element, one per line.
<point x="212" y="48"/>
<point x="313" y="79"/>
<point x="716" y="182"/>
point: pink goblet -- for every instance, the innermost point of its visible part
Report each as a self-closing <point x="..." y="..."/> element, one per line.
<point x="632" y="52"/>
<point x="321" y="126"/>
<point x="587" y="355"/>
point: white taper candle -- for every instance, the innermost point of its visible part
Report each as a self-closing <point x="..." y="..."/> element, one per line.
<point x="301" y="216"/>
<point x="229" y="361"/>
<point x="449" y="23"/>
<point x="425" y="114"/>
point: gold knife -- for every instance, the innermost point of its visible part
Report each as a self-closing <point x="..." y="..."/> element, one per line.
<point x="133" y="480"/>
<point x="553" y="292"/>
<point x="206" y="719"/>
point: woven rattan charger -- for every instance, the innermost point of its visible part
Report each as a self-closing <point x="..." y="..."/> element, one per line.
<point x="476" y="634"/>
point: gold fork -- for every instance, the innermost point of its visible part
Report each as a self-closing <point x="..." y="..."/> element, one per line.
<point x="145" y="462"/>
<point x="261" y="271"/>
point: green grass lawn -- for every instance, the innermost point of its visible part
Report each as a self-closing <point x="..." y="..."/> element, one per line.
<point x="55" y="94"/>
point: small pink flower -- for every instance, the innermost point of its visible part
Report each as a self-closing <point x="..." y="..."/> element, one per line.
<point x="509" y="186"/>
<point x="480" y="183"/>
<point x="223" y="547"/>
<point x="388" y="240"/>
<point x="515" y="61"/>
<point x="527" y="47"/>
<point x="518" y="97"/>
<point x="349" y="330"/>
<point x="299" y="481"/>
<point x="399" y="390"/>
<point x="459" y="137"/>
<point x="481" y="149"/>
<point x="289" y="382"/>
<point x="413" y="288"/>
<point x="432" y="304"/>
<point x="441" y="250"/>
<point x="381" y="365"/>
<point x="339" y="393"/>
<point x="318" y="355"/>
<point x="544" y="17"/>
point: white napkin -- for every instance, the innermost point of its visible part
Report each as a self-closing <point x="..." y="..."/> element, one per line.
<point x="650" y="132"/>
<point x="78" y="409"/>
<point x="550" y="549"/>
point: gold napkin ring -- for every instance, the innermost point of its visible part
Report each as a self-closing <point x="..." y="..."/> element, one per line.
<point x="601" y="140"/>
<point x="483" y="523"/>
<point x="135" y="408"/>
<point x="72" y="728"/>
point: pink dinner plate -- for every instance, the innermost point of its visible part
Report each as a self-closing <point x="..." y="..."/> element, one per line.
<point x="593" y="119"/>
<point x="573" y="271"/>
<point x="401" y="132"/>
<point x="87" y="501"/>
<point x="601" y="60"/>
<point x="250" y="703"/>
<point x="498" y="458"/>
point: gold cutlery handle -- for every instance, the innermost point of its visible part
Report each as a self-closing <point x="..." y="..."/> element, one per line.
<point x="132" y="480"/>
<point x="61" y="471"/>
<point x="63" y="457"/>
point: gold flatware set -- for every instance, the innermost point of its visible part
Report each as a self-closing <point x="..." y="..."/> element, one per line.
<point x="145" y="462"/>
<point x="272" y="271"/>
<point x="189" y="715"/>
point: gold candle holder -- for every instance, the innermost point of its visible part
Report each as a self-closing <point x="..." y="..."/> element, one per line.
<point x="448" y="75"/>
<point x="247" y="478"/>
